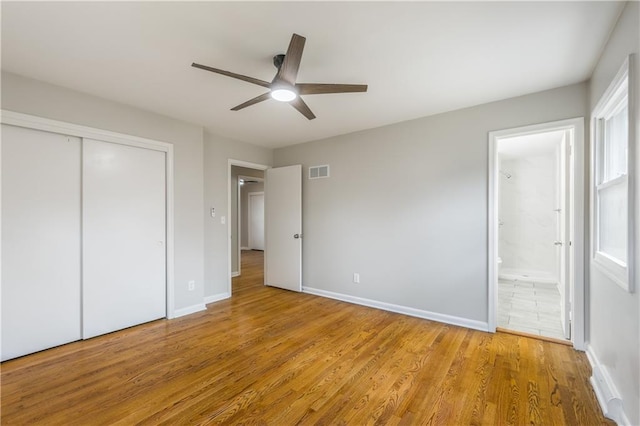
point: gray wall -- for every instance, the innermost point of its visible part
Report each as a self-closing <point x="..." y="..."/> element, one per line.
<point x="217" y="153"/>
<point x="406" y="205"/>
<point x="614" y="314"/>
<point x="33" y="97"/>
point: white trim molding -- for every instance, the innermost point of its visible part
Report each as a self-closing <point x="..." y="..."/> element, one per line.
<point x="433" y="316"/>
<point x="198" y="307"/>
<point x="606" y="392"/>
<point x="216" y="297"/>
<point x="576" y="125"/>
<point x="70" y="129"/>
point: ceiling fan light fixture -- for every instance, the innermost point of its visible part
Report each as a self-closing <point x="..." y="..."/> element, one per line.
<point x="283" y="94"/>
<point x="284" y="87"/>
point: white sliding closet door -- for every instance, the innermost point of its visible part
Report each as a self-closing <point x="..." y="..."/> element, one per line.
<point x="40" y="240"/>
<point x="124" y="236"/>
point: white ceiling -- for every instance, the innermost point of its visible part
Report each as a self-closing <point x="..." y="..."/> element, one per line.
<point x="418" y="58"/>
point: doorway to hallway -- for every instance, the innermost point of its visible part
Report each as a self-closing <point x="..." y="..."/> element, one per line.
<point x="282" y="223"/>
<point x="244" y="178"/>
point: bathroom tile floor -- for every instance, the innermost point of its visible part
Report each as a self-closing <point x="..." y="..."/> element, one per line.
<point x="530" y="307"/>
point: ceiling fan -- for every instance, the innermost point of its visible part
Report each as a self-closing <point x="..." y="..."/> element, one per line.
<point x="283" y="87"/>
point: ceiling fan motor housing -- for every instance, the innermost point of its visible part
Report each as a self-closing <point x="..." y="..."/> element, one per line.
<point x="278" y="60"/>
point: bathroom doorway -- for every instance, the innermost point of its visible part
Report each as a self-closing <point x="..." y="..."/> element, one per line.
<point x="532" y="212"/>
<point x="532" y="223"/>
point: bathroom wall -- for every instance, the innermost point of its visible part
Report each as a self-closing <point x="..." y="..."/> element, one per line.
<point x="527" y="217"/>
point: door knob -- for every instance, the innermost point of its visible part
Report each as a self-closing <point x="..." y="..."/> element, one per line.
<point x="296" y="236"/>
<point x="557" y="243"/>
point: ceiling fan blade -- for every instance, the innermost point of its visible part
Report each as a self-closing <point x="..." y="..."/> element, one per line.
<point x="319" y="89"/>
<point x="299" y="104"/>
<point x="289" y="68"/>
<point x="253" y="101"/>
<point x="233" y="75"/>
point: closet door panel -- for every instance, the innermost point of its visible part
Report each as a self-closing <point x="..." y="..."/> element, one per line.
<point x="41" y="239"/>
<point x="124" y="255"/>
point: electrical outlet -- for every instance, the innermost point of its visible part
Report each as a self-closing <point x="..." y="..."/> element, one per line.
<point x="223" y="220"/>
<point x="192" y="285"/>
<point x="356" y="278"/>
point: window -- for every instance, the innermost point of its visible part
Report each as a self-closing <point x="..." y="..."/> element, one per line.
<point x="612" y="245"/>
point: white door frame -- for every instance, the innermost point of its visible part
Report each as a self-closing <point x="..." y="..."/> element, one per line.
<point x="238" y="226"/>
<point x="564" y="229"/>
<point x="240" y="163"/>
<point x="55" y="126"/>
<point x="578" y="305"/>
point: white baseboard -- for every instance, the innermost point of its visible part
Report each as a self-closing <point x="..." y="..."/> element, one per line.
<point x="245" y="248"/>
<point x="235" y="274"/>
<point x="216" y="297"/>
<point x="189" y="310"/>
<point x="608" y="396"/>
<point x="434" y="316"/>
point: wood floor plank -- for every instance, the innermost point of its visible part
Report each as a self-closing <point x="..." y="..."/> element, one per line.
<point x="273" y="357"/>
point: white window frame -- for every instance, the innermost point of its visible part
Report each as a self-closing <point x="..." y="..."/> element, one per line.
<point x="622" y="86"/>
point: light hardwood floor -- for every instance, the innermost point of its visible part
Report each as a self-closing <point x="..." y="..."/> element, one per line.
<point x="270" y="356"/>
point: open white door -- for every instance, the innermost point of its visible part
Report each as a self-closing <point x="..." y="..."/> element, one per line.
<point x="283" y="227"/>
<point x="563" y="241"/>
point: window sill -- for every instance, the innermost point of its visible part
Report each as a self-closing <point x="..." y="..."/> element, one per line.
<point x="614" y="269"/>
<point x="615" y="181"/>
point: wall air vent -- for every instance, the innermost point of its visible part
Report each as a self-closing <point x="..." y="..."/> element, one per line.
<point x="317" y="172"/>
